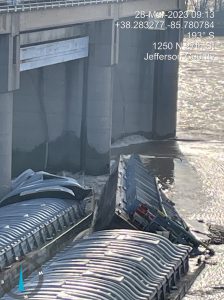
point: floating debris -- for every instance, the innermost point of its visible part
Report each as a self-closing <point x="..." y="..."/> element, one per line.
<point x="217" y="234"/>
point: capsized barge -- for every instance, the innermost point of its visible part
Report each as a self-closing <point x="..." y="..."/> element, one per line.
<point x="133" y="199"/>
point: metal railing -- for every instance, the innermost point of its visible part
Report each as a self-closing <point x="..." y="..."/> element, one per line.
<point x="25" y="5"/>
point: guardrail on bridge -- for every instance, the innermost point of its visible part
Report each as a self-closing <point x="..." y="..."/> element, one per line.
<point x="24" y="5"/>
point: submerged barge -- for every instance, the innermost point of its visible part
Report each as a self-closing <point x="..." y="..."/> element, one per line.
<point x="133" y="199"/>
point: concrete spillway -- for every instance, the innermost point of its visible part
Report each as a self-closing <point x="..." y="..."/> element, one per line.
<point x="109" y="265"/>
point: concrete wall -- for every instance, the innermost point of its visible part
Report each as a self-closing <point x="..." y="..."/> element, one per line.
<point x="99" y="97"/>
<point x="47" y="118"/>
<point x="6" y="103"/>
<point x="9" y="81"/>
<point x="133" y="85"/>
<point x="145" y="92"/>
<point x="166" y="88"/>
<point x="53" y="108"/>
<point x="135" y="96"/>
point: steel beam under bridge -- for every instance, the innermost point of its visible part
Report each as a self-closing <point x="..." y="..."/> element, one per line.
<point x="33" y="57"/>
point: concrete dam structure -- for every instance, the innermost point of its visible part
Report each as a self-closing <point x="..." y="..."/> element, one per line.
<point x="72" y="81"/>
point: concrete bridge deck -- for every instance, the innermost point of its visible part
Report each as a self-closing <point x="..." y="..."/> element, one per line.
<point x="29" y="15"/>
<point x="23" y="5"/>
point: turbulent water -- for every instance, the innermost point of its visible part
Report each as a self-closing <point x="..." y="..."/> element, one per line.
<point x="201" y="118"/>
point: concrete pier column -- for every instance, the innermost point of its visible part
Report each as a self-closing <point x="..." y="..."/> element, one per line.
<point x="133" y="84"/>
<point x="9" y="81"/>
<point x="166" y="86"/>
<point x="6" y="109"/>
<point x="99" y="90"/>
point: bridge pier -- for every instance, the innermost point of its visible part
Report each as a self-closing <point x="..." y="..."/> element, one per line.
<point x="68" y="103"/>
<point x="98" y="117"/>
<point x="9" y="81"/>
<point x="133" y="84"/>
<point x="166" y="87"/>
<point x="6" y="108"/>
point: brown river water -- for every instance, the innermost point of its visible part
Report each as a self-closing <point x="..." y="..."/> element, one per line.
<point x="191" y="168"/>
<point x="201" y="118"/>
<point x="194" y="177"/>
